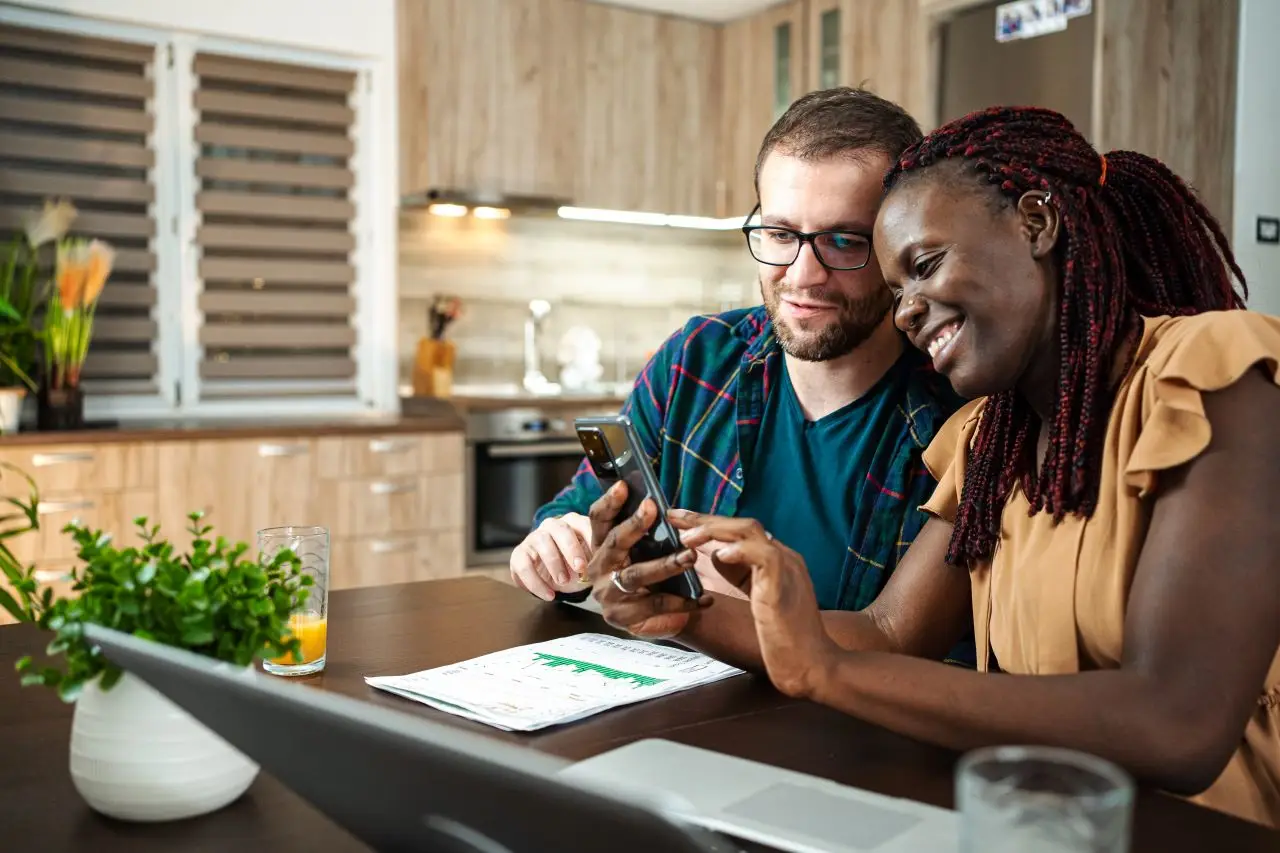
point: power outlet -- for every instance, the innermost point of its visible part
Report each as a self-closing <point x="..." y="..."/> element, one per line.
<point x="1268" y="229"/>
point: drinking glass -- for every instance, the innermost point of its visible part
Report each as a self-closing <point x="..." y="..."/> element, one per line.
<point x="1015" y="798"/>
<point x="309" y="620"/>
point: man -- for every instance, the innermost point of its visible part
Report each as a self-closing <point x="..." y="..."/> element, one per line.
<point x="808" y="413"/>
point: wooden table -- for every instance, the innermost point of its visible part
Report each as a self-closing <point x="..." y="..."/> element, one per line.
<point x="395" y="630"/>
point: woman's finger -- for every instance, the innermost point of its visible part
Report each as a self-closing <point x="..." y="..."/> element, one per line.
<point x="604" y="512"/>
<point x="720" y="529"/>
<point x="641" y="575"/>
<point x="615" y="550"/>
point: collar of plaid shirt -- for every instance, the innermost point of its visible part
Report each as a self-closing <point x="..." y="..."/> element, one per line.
<point x="697" y="407"/>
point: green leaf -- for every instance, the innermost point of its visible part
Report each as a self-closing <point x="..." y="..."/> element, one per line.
<point x="8" y="311"/>
<point x="197" y="636"/>
<point x="147" y="572"/>
<point x="110" y="677"/>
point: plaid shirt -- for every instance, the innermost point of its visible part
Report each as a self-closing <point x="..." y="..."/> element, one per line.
<point x="697" y="408"/>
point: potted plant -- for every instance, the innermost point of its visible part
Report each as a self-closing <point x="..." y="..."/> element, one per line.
<point x="134" y="754"/>
<point x="21" y="293"/>
<point x="81" y="272"/>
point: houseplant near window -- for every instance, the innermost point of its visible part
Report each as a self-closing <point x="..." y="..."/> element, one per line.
<point x="83" y="267"/>
<point x="21" y="293"/>
<point x="134" y="754"/>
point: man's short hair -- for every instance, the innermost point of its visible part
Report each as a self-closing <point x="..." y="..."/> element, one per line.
<point x="839" y="122"/>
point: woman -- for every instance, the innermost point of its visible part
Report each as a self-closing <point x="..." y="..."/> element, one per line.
<point x="1102" y="516"/>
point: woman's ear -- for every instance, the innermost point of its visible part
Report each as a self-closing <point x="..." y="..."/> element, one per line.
<point x="1040" y="222"/>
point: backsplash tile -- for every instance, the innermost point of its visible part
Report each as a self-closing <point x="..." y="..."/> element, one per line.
<point x="632" y="284"/>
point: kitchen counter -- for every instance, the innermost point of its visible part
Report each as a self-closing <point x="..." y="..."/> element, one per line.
<point x="445" y="419"/>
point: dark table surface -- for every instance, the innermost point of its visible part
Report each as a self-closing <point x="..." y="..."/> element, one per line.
<point x="401" y="629"/>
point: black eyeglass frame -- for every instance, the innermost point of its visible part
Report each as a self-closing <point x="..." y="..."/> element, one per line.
<point x="803" y="237"/>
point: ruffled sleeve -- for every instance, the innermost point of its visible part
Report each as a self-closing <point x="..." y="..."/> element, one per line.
<point x="1188" y="356"/>
<point x="945" y="458"/>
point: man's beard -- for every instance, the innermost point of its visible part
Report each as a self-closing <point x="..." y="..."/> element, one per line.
<point x="855" y="321"/>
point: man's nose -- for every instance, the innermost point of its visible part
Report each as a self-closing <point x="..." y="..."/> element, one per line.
<point x="806" y="270"/>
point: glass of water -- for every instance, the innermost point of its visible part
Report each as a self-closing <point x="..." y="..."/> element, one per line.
<point x="1030" y="798"/>
<point x="309" y="621"/>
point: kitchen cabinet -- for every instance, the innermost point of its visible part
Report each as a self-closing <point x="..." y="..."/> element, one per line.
<point x="490" y="95"/>
<point x="604" y="106"/>
<point x="649" y="117"/>
<point x="393" y="502"/>
<point x="883" y="45"/>
<point x="764" y="70"/>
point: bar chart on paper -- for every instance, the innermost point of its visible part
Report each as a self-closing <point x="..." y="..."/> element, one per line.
<point x="545" y="684"/>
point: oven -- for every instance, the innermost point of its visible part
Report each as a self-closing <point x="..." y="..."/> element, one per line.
<point x="517" y="460"/>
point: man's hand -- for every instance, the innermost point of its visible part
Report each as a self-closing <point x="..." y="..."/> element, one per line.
<point x="623" y="589"/>
<point x="554" y="557"/>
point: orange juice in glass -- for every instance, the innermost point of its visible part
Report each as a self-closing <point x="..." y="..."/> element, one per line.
<point x="309" y="621"/>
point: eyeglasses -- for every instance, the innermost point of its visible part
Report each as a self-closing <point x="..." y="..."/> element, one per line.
<point x="779" y="247"/>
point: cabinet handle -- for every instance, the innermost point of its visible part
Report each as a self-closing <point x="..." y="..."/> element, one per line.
<point x="51" y="507"/>
<point x="44" y="460"/>
<point x="390" y="445"/>
<point x="269" y="450"/>
<point x="386" y="487"/>
<point x="391" y="546"/>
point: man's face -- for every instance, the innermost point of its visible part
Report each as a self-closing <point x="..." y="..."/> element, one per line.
<point x="821" y="314"/>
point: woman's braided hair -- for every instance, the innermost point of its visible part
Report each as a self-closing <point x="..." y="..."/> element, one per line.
<point x="1135" y="242"/>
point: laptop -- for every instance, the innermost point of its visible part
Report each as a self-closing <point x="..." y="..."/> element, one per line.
<point x="400" y="782"/>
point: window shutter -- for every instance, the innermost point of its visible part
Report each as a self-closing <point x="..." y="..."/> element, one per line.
<point x="275" y="240"/>
<point x="76" y="121"/>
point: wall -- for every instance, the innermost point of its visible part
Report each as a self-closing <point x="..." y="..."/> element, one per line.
<point x="1054" y="70"/>
<point x="1257" y="160"/>
<point x="632" y="284"/>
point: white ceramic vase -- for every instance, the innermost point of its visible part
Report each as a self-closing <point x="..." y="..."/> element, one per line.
<point x="136" y="756"/>
<point x="10" y="409"/>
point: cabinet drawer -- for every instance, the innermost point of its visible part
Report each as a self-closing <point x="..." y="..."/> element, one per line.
<point x="78" y="468"/>
<point x="338" y="457"/>
<point x="378" y="561"/>
<point x="111" y="512"/>
<point x="377" y="506"/>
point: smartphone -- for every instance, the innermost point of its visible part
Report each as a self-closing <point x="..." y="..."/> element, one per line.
<point x="614" y="453"/>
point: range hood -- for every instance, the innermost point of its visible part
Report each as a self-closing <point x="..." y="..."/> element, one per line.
<point x="513" y="202"/>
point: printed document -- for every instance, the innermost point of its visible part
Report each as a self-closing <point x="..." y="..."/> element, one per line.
<point x="559" y="681"/>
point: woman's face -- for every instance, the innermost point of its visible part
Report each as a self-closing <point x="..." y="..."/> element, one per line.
<point x="974" y="279"/>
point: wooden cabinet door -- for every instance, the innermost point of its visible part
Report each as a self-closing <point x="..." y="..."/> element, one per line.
<point x="763" y="62"/>
<point x="650" y="113"/>
<point x="489" y="95"/>
<point x="242" y="485"/>
<point x="827" y="56"/>
<point x="886" y="48"/>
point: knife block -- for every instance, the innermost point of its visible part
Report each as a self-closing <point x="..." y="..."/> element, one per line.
<point x="433" y="368"/>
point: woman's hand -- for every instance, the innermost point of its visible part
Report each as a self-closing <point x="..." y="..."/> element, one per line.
<point x="793" y="641"/>
<point x="622" y="589"/>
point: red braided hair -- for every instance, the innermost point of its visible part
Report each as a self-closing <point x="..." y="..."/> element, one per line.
<point x="1135" y="242"/>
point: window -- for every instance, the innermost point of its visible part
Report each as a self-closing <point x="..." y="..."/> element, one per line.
<point x="781" y="69"/>
<point x="233" y="181"/>
<point x="77" y="120"/>
<point x="829" y="48"/>
<point x="275" y="237"/>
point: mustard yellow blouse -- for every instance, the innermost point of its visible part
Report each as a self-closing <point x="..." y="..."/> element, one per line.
<point x="1068" y="614"/>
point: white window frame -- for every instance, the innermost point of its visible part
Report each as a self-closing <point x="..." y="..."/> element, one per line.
<point x="177" y="282"/>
